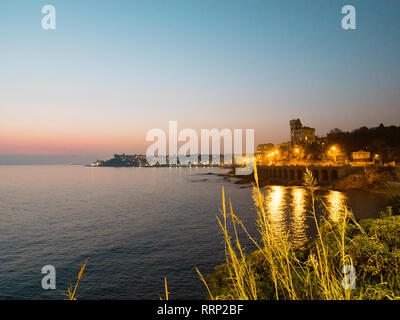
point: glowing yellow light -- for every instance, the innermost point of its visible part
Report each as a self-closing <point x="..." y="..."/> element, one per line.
<point x="299" y="226"/>
<point x="336" y="205"/>
<point x="275" y="202"/>
<point x="276" y="152"/>
<point x="333" y="148"/>
<point x="297" y="150"/>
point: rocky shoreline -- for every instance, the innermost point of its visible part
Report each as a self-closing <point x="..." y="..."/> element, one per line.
<point x="372" y="180"/>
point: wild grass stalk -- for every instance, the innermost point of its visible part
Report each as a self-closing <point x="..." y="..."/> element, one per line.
<point x="166" y="290"/>
<point x="319" y="277"/>
<point x="71" y="292"/>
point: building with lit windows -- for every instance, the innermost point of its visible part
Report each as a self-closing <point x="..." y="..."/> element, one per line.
<point x="300" y="135"/>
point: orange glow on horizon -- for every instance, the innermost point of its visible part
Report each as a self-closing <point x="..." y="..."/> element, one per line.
<point x="61" y="143"/>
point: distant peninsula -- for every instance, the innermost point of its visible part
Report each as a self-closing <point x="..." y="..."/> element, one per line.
<point x="140" y="160"/>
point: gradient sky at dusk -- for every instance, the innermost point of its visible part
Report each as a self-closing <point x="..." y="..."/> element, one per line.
<point x="112" y="70"/>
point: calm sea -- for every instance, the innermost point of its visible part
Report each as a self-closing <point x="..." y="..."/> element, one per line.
<point x="134" y="225"/>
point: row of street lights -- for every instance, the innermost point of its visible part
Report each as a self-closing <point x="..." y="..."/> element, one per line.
<point x="333" y="152"/>
<point x="271" y="155"/>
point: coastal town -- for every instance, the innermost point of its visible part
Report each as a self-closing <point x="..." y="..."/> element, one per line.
<point x="347" y="160"/>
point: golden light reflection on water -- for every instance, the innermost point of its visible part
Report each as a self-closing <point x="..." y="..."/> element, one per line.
<point x="298" y="225"/>
<point x="275" y="205"/>
<point x="336" y="203"/>
<point x="289" y="210"/>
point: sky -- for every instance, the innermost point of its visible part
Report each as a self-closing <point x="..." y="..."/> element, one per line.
<point x="113" y="70"/>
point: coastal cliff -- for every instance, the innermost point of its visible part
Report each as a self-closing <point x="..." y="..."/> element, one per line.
<point x="376" y="180"/>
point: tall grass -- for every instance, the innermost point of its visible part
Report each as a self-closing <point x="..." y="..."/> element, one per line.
<point x="71" y="293"/>
<point x="317" y="277"/>
<point x="166" y="290"/>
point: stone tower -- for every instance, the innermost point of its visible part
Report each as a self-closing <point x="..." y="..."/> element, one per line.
<point x="295" y="128"/>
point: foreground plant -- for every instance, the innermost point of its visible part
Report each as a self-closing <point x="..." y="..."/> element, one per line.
<point x="166" y="289"/>
<point x="71" y="292"/>
<point x="322" y="269"/>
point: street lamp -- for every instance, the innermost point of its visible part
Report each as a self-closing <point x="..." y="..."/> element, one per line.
<point x="297" y="151"/>
<point x="333" y="148"/>
<point x="378" y="158"/>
